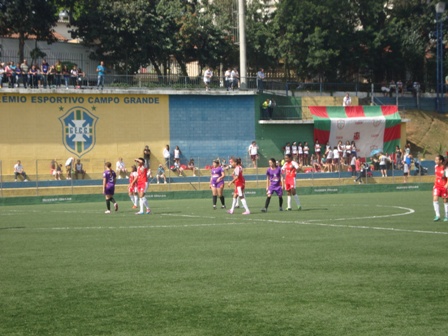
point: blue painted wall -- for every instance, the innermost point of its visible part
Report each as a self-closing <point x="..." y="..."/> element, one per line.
<point x="211" y="126"/>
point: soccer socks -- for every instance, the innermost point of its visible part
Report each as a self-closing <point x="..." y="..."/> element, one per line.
<point x="296" y="198"/>
<point x="266" y="204"/>
<point x="221" y="198"/>
<point x="134" y="199"/>
<point x="436" y="208"/>
<point x="280" y="201"/>
<point x="289" y="202"/>
<point x="244" y="203"/>
<point x="446" y="209"/>
<point x="215" y="198"/>
<point x="235" y="200"/>
<point x="108" y="204"/>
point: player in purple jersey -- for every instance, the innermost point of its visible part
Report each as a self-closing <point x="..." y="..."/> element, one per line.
<point x="109" y="178"/>
<point x="274" y="184"/>
<point x="217" y="184"/>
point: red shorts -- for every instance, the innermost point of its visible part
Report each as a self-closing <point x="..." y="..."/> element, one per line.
<point x="239" y="190"/>
<point x="439" y="192"/>
<point x="290" y="184"/>
<point x="142" y="187"/>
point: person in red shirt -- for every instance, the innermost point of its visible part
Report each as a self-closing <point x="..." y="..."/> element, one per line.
<point x="290" y="170"/>
<point x="142" y="185"/>
<point x="239" y="181"/>
<point x="440" y="186"/>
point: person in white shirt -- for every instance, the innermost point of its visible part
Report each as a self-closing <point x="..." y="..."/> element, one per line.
<point x="347" y="101"/>
<point x="260" y="79"/>
<point x="208" y="74"/>
<point x="336" y="158"/>
<point x="166" y="156"/>
<point x="18" y="170"/>
<point x="69" y="167"/>
<point x="253" y="152"/>
<point x="120" y="168"/>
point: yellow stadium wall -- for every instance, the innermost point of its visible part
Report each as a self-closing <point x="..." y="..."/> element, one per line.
<point x="31" y="130"/>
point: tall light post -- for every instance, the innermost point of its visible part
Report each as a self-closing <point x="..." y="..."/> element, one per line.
<point x="440" y="8"/>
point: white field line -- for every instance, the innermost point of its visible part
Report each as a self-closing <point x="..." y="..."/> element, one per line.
<point x="247" y="221"/>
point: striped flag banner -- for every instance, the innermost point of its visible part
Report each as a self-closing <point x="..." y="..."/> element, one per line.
<point x="371" y="127"/>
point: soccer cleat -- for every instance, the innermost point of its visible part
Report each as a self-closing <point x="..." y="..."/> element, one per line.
<point x="148" y="211"/>
<point x="436" y="218"/>
<point x="288" y="209"/>
<point x="246" y="213"/>
<point x="230" y="212"/>
<point x="264" y="210"/>
<point x="140" y="213"/>
<point x="223" y="206"/>
<point x="299" y="207"/>
<point x="280" y="209"/>
<point x="237" y="206"/>
<point x="445" y="219"/>
<point x="107" y="212"/>
<point x="134" y="207"/>
<point x="214" y="207"/>
<point x="116" y="206"/>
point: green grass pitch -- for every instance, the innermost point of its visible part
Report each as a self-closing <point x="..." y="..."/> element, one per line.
<point x="348" y="264"/>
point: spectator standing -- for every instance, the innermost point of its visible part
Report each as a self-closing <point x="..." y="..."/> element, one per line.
<point x="66" y="75"/>
<point x="147" y="156"/>
<point x="272" y="104"/>
<point x="317" y="150"/>
<point x="24" y="69"/>
<point x="234" y="75"/>
<point x="208" y="74"/>
<point x="44" y="68"/>
<point x="69" y="167"/>
<point x="58" y="73"/>
<point x="74" y="76"/>
<point x="398" y="157"/>
<point x="347" y="101"/>
<point x="177" y="154"/>
<point x="18" y="170"/>
<point x="260" y="79"/>
<point x="253" y="152"/>
<point x="109" y="179"/>
<point x="440" y="187"/>
<point x="264" y="109"/>
<point x="100" y="70"/>
<point x="227" y="79"/>
<point x="2" y="72"/>
<point x="166" y="156"/>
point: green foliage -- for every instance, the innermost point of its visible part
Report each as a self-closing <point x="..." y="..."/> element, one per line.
<point x="28" y="17"/>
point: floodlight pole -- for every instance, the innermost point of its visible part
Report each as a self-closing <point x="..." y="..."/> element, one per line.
<point x="242" y="31"/>
<point x="440" y="8"/>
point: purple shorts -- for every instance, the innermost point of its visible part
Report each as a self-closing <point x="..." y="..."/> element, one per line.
<point x="277" y="190"/>
<point x="216" y="184"/>
<point x="109" y="190"/>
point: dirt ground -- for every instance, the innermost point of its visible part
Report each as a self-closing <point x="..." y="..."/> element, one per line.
<point x="427" y="132"/>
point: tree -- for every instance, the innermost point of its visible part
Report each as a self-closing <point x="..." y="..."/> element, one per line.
<point x="28" y="17"/>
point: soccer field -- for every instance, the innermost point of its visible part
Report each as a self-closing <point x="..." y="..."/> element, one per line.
<point x="347" y="264"/>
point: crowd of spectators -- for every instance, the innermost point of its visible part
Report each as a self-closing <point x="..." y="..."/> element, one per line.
<point x="36" y="76"/>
